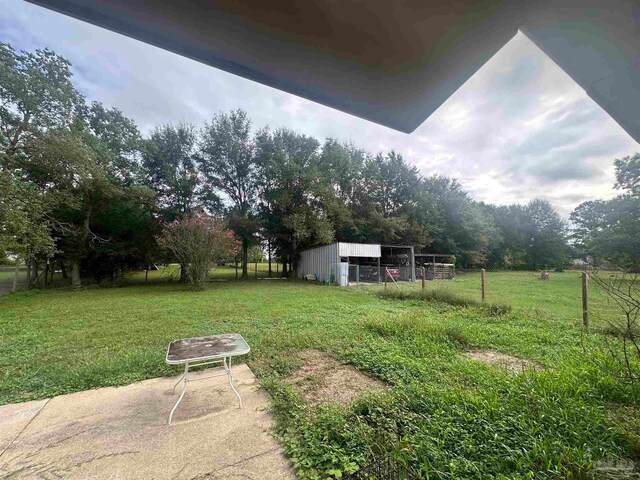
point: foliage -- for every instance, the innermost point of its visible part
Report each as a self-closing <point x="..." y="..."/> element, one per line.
<point x="610" y="229"/>
<point x="628" y="174"/>
<point x="228" y="165"/>
<point x="35" y="93"/>
<point x="291" y="206"/>
<point x="198" y="242"/>
<point x="74" y="190"/>
<point x="169" y="163"/>
<point x="24" y="231"/>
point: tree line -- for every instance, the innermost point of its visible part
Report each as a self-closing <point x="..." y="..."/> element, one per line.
<point x="609" y="230"/>
<point x="81" y="188"/>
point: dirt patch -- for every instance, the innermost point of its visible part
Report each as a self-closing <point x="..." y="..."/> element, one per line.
<point x="615" y="469"/>
<point x="502" y="360"/>
<point x="322" y="379"/>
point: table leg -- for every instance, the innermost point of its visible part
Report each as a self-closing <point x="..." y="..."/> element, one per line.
<point x="227" y="367"/>
<point x="184" y="390"/>
<point x="176" y="384"/>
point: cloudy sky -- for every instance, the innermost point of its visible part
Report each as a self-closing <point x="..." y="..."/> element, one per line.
<point x="518" y="129"/>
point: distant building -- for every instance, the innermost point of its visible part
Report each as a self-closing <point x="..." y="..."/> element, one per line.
<point x="344" y="263"/>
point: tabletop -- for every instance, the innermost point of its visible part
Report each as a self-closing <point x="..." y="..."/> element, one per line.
<point x="206" y="348"/>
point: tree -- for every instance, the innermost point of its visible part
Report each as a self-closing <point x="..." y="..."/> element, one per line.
<point x="36" y="93"/>
<point x="74" y="184"/>
<point x="547" y="233"/>
<point x="291" y="208"/>
<point x="628" y="174"/>
<point x="510" y="249"/>
<point x="228" y="165"/>
<point x="78" y="163"/>
<point x="610" y="229"/>
<point x="119" y="139"/>
<point x="340" y="168"/>
<point x="25" y="232"/>
<point x="460" y="226"/>
<point x="198" y="242"/>
<point x="170" y="164"/>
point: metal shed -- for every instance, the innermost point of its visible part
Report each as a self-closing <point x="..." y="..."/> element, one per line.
<point x="343" y="263"/>
<point x="329" y="263"/>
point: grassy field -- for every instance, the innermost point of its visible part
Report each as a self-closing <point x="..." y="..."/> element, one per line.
<point x="446" y="415"/>
<point x="559" y="297"/>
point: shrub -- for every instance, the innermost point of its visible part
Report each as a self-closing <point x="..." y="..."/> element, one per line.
<point x="198" y="242"/>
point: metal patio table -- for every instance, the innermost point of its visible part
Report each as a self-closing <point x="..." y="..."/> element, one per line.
<point x="195" y="352"/>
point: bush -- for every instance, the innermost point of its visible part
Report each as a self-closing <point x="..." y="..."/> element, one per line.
<point x="198" y="242"/>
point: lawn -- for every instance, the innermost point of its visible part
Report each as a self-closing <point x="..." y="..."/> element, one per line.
<point x="446" y="415"/>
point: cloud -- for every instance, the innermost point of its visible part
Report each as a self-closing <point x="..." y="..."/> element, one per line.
<point x="518" y="129"/>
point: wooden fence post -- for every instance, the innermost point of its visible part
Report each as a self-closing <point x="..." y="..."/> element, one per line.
<point x="423" y="276"/>
<point x="483" y="275"/>
<point x="585" y="300"/>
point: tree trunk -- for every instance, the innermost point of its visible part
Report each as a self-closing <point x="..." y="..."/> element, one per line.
<point x="183" y="274"/>
<point x="292" y="256"/>
<point x="34" y="274"/>
<point x="75" y="273"/>
<point x="284" y="265"/>
<point x="245" y="259"/>
<point x="46" y="273"/>
<point x="29" y="273"/>
<point x="269" y="253"/>
<point x="16" y="273"/>
<point x="63" y="268"/>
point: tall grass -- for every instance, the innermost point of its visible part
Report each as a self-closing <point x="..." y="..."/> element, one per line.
<point x="445" y="296"/>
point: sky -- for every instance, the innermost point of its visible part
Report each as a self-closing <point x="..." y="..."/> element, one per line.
<point x="519" y="129"/>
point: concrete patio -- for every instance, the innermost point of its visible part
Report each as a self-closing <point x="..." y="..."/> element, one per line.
<point x="123" y="433"/>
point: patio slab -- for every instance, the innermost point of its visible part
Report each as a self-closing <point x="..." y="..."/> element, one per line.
<point x="123" y="433"/>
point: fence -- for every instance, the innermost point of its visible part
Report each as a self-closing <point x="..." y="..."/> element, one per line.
<point x="6" y="278"/>
<point x="230" y="271"/>
<point x="570" y="295"/>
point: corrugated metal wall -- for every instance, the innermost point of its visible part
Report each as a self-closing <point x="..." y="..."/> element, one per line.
<point x="318" y="261"/>
<point x="358" y="250"/>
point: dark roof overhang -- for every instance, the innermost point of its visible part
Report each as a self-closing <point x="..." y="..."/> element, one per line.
<point x="391" y="62"/>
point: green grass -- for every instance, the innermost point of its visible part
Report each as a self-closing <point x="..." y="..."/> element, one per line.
<point x="448" y="296"/>
<point x="560" y="297"/>
<point x="7" y="276"/>
<point x="447" y="416"/>
<point x="171" y="272"/>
